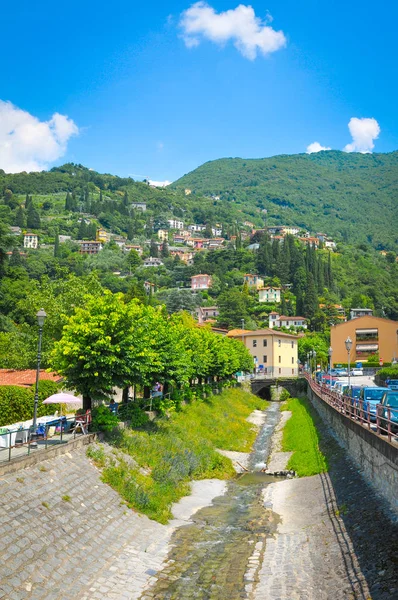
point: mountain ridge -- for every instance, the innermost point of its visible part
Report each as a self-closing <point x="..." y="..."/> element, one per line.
<point x="351" y="196"/>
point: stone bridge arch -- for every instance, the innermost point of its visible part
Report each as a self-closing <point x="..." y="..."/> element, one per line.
<point x="262" y="387"/>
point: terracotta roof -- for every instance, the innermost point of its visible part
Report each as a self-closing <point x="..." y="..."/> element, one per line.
<point x="291" y="318"/>
<point x="243" y="333"/>
<point x="25" y="378"/>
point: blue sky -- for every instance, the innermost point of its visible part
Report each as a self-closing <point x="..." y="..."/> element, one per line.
<point x="145" y="104"/>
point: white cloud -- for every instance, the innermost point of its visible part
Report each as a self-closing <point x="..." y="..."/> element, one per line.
<point x="363" y="132"/>
<point x="316" y="147"/>
<point x="250" y="34"/>
<point x="159" y="183"/>
<point x="27" y="144"/>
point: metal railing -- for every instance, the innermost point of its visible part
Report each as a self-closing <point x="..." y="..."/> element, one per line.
<point x="23" y="441"/>
<point x="382" y="422"/>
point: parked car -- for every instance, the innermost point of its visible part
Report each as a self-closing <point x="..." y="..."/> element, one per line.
<point x="389" y="402"/>
<point x="371" y="397"/>
<point x="392" y="384"/>
<point x="333" y="372"/>
<point x="356" y="371"/>
<point x="342" y="372"/>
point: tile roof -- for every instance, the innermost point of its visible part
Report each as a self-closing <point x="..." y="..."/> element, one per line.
<point x="25" y="378"/>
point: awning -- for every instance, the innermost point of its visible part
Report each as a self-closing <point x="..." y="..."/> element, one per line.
<point x="366" y="331"/>
<point x="367" y="347"/>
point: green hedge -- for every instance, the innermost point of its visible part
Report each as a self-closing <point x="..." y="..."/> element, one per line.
<point x="16" y="403"/>
<point x="365" y="365"/>
<point x="391" y="372"/>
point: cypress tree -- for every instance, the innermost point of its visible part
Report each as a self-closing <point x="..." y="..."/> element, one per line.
<point x="20" y="217"/>
<point x="68" y="202"/>
<point x="310" y="304"/>
<point x="165" y="250"/>
<point x="56" y="245"/>
<point x="33" y="218"/>
<point x="126" y="199"/>
<point x="154" y="250"/>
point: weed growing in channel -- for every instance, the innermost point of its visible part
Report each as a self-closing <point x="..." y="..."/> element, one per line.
<point x="301" y="437"/>
<point x="167" y="457"/>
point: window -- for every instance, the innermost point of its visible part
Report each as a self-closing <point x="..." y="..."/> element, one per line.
<point x="292" y="371"/>
<point x="280" y="370"/>
<point x="265" y="343"/>
<point x="279" y="343"/>
<point x="265" y="358"/>
<point x="292" y="344"/>
<point x="292" y="360"/>
<point x="279" y="359"/>
<point x="254" y="343"/>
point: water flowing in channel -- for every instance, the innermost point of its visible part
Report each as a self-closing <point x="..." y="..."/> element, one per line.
<point x="209" y="558"/>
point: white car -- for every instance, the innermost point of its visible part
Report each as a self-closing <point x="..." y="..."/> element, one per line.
<point x="358" y="372"/>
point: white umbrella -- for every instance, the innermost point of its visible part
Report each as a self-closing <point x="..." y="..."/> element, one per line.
<point x="62" y="398"/>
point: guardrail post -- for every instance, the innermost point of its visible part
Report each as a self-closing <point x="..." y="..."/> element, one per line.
<point x="389" y="424"/>
<point x="9" y="447"/>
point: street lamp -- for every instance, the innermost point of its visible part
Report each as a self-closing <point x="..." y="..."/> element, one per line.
<point x="308" y="362"/>
<point x="314" y="355"/>
<point x="348" y="346"/>
<point x="41" y="317"/>
<point x="330" y="352"/>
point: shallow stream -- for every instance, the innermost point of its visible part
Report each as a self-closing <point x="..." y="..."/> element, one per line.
<point x="210" y="557"/>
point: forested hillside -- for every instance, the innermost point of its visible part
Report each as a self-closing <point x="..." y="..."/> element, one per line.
<point x="151" y="251"/>
<point x="353" y="197"/>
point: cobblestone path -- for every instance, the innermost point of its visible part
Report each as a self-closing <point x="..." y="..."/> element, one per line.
<point x="65" y="534"/>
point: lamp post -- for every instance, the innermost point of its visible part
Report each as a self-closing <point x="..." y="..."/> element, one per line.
<point x="348" y="346"/>
<point x="314" y="355"/>
<point x="41" y="317"/>
<point x="330" y="352"/>
<point x="308" y="362"/>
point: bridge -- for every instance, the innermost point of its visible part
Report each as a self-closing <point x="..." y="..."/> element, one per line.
<point x="261" y="385"/>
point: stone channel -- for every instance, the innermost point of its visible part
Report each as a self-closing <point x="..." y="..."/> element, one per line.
<point x="218" y="555"/>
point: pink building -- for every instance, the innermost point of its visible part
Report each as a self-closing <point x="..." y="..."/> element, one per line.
<point x="200" y="282"/>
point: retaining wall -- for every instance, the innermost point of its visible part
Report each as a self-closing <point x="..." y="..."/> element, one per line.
<point x="374" y="455"/>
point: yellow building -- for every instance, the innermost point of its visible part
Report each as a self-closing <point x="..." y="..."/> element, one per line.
<point x="274" y="353"/>
<point x="369" y="335"/>
<point x="163" y="235"/>
<point x="102" y="236"/>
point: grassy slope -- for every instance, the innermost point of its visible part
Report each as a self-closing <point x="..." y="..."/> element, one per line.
<point x="350" y="194"/>
<point x="179" y="450"/>
<point x="301" y="437"/>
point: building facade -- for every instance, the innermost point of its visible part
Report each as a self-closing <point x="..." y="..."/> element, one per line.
<point x="360" y="312"/>
<point x="253" y="280"/>
<point x="370" y="335"/>
<point x="200" y="282"/>
<point x="176" y="224"/>
<point x="30" y="240"/>
<point x="274" y="353"/>
<point x="207" y="313"/>
<point x="92" y="247"/>
<point x="269" y="294"/>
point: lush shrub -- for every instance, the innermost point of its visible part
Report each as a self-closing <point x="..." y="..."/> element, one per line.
<point x="181" y="448"/>
<point x="285" y="395"/>
<point x="103" y="419"/>
<point x="17" y="403"/>
<point x="389" y="372"/>
<point x="133" y="413"/>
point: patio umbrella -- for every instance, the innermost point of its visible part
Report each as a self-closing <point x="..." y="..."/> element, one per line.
<point x="62" y="398"/>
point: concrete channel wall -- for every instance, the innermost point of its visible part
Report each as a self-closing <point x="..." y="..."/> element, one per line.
<point x="374" y="455"/>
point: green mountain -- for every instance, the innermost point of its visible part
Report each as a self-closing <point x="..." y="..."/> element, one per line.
<point x="352" y="197"/>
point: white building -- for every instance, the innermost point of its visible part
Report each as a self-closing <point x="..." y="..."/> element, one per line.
<point x="269" y="294"/>
<point x="216" y="231"/>
<point x="139" y="206"/>
<point x="196" y="227"/>
<point x="30" y="240"/>
<point x="276" y="320"/>
<point x="152" y="262"/>
<point x="176" y="224"/>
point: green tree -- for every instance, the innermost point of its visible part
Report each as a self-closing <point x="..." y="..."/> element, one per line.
<point x="20" y="217"/>
<point x="33" y="218"/>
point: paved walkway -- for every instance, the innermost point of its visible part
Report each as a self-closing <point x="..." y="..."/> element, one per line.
<point x="65" y="534"/>
<point x="311" y="557"/>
